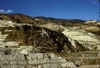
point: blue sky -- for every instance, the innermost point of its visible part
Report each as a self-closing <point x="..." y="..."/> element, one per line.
<point x="67" y="9"/>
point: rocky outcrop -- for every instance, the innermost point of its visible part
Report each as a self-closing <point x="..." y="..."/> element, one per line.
<point x="91" y="22"/>
<point x="53" y="26"/>
<point x="46" y="40"/>
<point x="98" y="24"/>
<point x="87" y="39"/>
<point x="92" y="29"/>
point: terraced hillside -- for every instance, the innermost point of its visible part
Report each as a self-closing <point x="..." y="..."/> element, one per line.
<point x="42" y="44"/>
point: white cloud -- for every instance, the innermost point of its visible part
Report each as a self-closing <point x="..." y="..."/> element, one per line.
<point x="9" y="11"/>
<point x="6" y="11"/>
<point x="2" y="11"/>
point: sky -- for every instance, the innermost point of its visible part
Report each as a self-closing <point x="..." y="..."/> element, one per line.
<point x="65" y="9"/>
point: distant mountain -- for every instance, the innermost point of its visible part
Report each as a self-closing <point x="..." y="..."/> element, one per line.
<point x="21" y="18"/>
<point x="63" y="22"/>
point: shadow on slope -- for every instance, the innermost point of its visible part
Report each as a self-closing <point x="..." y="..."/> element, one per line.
<point x="44" y="39"/>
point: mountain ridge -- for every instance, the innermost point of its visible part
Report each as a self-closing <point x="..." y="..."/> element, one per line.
<point x="22" y="18"/>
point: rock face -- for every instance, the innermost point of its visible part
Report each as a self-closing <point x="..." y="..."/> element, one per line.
<point x="85" y="38"/>
<point x="15" y="59"/>
<point x="46" y="40"/>
<point x="4" y="23"/>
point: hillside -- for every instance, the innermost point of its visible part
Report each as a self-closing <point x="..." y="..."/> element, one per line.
<point x="21" y="18"/>
<point x="45" y="39"/>
<point x="64" y="22"/>
<point x="48" y="42"/>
